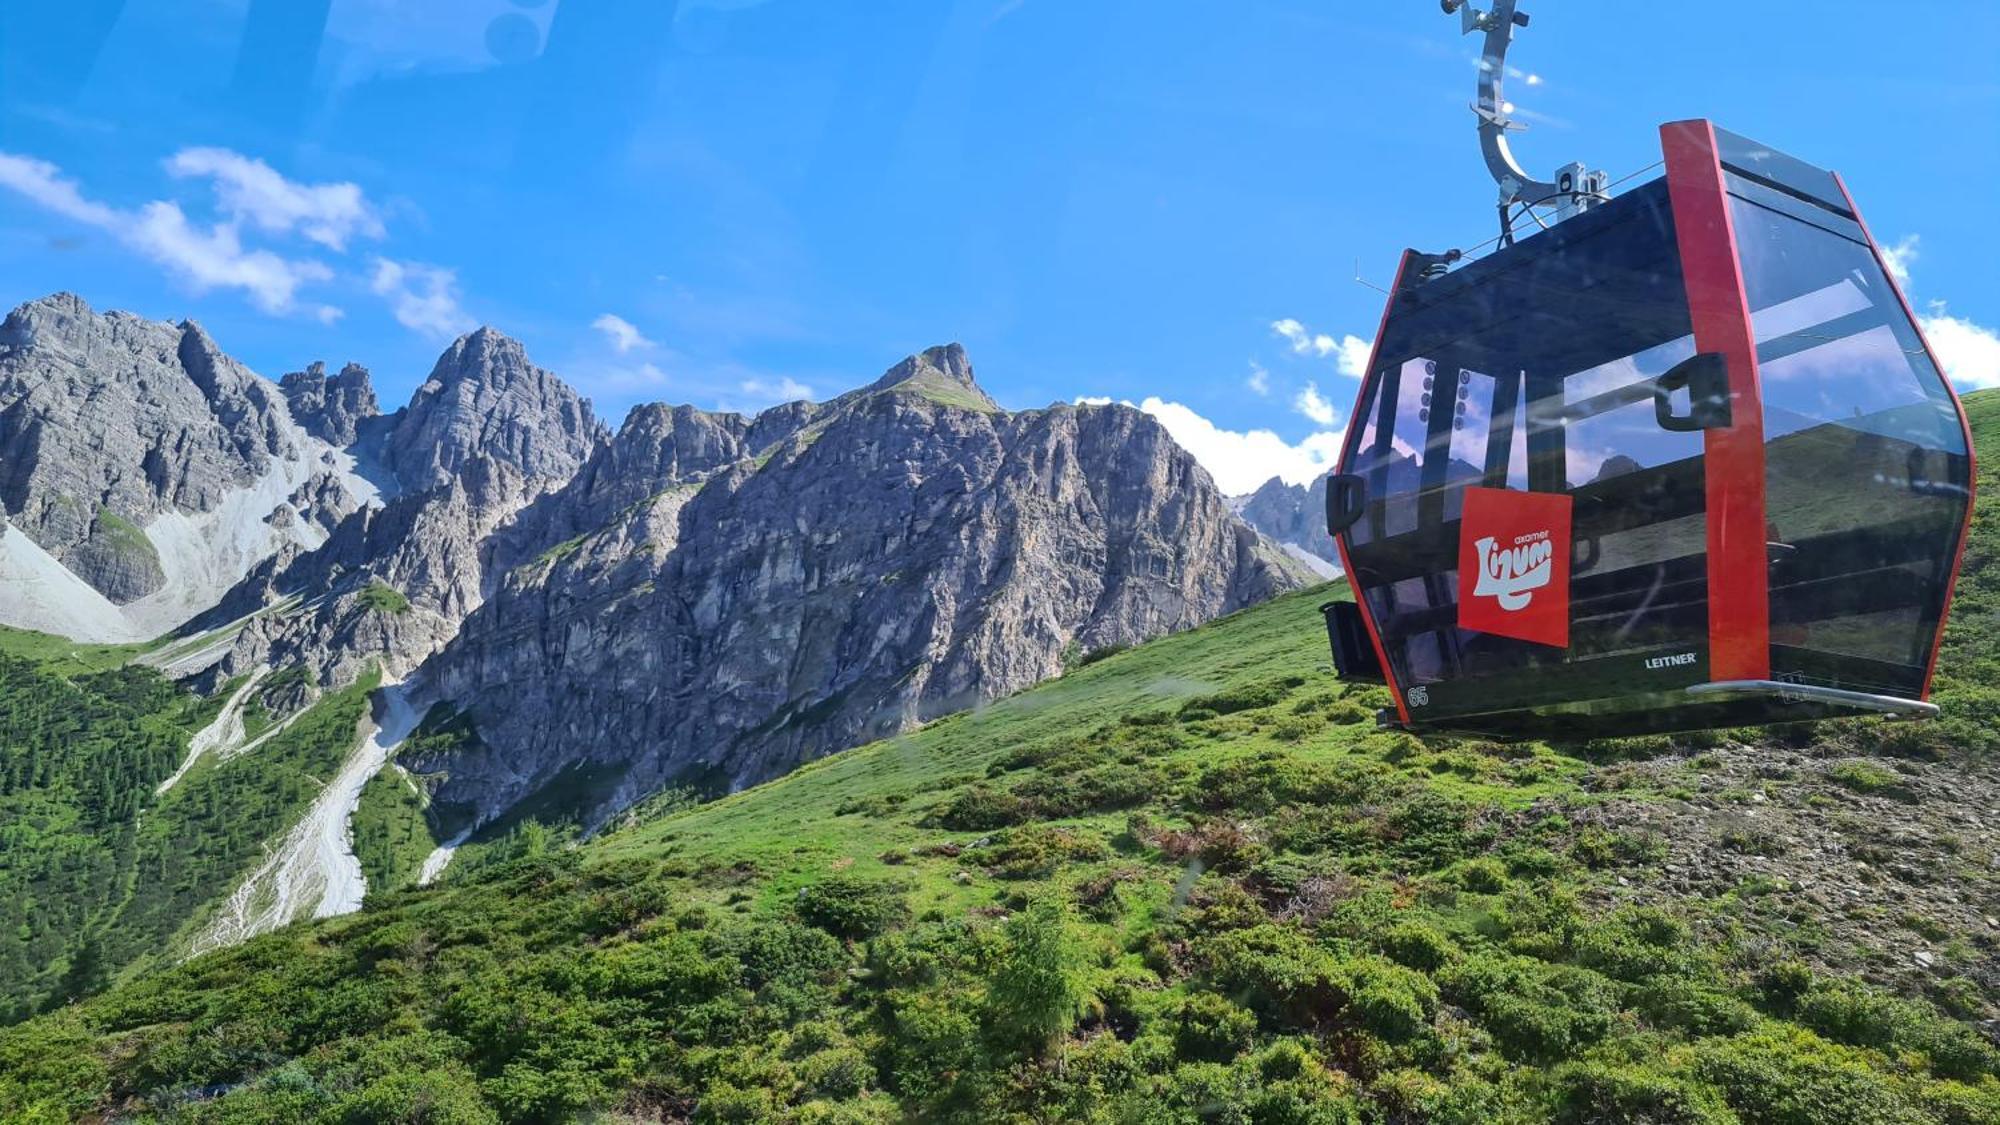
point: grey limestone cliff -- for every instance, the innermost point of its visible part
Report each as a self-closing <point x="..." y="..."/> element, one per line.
<point x="904" y="551"/>
<point x="1294" y="515"/>
<point x="484" y="398"/>
<point x="486" y="434"/>
<point x="139" y="463"/>
<point x="331" y="407"/>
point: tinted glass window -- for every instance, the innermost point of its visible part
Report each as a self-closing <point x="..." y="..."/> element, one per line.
<point x="1533" y="370"/>
<point x="1865" y="459"/>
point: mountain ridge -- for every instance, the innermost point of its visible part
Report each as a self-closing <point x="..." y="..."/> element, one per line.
<point x="697" y="599"/>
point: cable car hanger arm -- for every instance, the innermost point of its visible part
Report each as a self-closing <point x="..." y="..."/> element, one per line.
<point x="1575" y="188"/>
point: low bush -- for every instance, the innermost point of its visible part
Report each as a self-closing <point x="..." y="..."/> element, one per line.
<point x="852" y="908"/>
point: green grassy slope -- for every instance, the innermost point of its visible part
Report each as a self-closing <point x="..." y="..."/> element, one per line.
<point x="1184" y="883"/>
<point x="64" y="656"/>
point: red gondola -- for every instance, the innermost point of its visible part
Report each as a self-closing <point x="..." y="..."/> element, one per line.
<point x="1680" y="460"/>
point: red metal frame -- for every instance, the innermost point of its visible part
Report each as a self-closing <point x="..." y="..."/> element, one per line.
<point x="1354" y="424"/>
<point x="1965" y="427"/>
<point x="1739" y="605"/>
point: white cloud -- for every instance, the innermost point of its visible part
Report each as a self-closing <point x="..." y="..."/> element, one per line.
<point x="1354" y="353"/>
<point x="43" y="183"/>
<point x="644" y="378"/>
<point x="1310" y="403"/>
<point x="249" y="190"/>
<point x="1900" y="257"/>
<point x="773" y="391"/>
<point x="1259" y="381"/>
<point x="1350" y="352"/>
<point x="206" y="258"/>
<point x="1304" y="342"/>
<point x="1970" y="353"/>
<point x="422" y="297"/>
<point x="620" y="332"/>
<point x="1239" y="461"/>
<point x="215" y="258"/>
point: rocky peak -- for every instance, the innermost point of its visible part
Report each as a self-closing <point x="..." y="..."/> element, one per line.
<point x="943" y="373"/>
<point x="49" y="321"/>
<point x="108" y="421"/>
<point x="486" y="398"/>
<point x="1294" y="516"/>
<point x="331" y="407"/>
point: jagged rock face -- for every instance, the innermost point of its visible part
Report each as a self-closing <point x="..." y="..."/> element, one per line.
<point x="1294" y="515"/>
<point x="485" y="399"/>
<point x="388" y="587"/>
<point x="390" y="584"/>
<point x="331" y="407"/>
<point x="109" y="421"/>
<point x="910" y="551"/>
<point x="658" y="447"/>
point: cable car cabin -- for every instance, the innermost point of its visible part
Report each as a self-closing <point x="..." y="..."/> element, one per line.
<point x="1680" y="461"/>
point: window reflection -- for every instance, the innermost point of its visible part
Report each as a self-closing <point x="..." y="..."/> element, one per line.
<point x="1864" y="459"/>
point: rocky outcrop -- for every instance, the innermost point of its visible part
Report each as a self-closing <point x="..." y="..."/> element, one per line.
<point x="118" y="558"/>
<point x="127" y="448"/>
<point x="391" y="583"/>
<point x="485" y="399"/>
<point x="907" y="551"/>
<point x="331" y="407"/>
<point x="1294" y="516"/>
<point x="388" y="588"/>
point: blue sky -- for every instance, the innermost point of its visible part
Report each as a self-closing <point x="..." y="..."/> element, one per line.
<point x="1141" y="199"/>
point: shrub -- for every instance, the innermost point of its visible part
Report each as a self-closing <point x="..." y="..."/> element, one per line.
<point x="1485" y="875"/>
<point x="838" y="1072"/>
<point x="1534" y="1010"/>
<point x="1036" y="851"/>
<point x="1262" y="782"/>
<point x="933" y="1039"/>
<point x="1098" y="789"/>
<point x="1246" y="697"/>
<point x="1636" y="943"/>
<point x="1419" y="946"/>
<point x="982" y="808"/>
<point x="1294" y="728"/>
<point x="1787" y="1076"/>
<point x="1429" y="827"/>
<point x="726" y="1103"/>
<point x="1591" y="1092"/>
<point x="1698" y="1009"/>
<point x="1389" y="1000"/>
<point x="1867" y="777"/>
<point x="852" y="908"/>
<point x="1212" y="1027"/>
<point x="1856" y="1014"/>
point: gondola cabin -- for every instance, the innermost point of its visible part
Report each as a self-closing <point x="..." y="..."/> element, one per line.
<point x="1681" y="461"/>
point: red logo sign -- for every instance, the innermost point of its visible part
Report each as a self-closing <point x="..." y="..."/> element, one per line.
<point x="1513" y="565"/>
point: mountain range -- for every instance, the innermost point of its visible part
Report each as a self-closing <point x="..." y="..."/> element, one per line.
<point x="695" y="602"/>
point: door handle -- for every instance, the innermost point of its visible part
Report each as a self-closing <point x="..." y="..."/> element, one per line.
<point x="1345" y="493"/>
<point x="1706" y="379"/>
